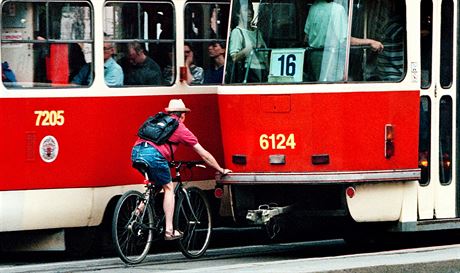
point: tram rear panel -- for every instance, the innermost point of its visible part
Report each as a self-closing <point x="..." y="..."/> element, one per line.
<point x="312" y="116"/>
<point x="319" y="132"/>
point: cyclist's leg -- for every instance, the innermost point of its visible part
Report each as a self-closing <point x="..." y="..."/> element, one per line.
<point x="159" y="171"/>
<point x="168" y="205"/>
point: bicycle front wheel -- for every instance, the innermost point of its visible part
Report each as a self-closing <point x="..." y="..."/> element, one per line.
<point x="132" y="233"/>
<point x="194" y="219"/>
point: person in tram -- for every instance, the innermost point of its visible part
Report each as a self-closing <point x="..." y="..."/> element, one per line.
<point x="194" y="72"/>
<point x="215" y="73"/>
<point x="84" y="76"/>
<point x="157" y="157"/>
<point x="141" y="69"/>
<point x="326" y="31"/>
<point x="113" y="73"/>
<point x="8" y="75"/>
<point x="390" y="62"/>
<point x="244" y="38"/>
<point x="386" y="23"/>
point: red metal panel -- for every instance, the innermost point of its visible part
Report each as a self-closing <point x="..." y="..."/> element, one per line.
<point x="95" y="140"/>
<point x="349" y="127"/>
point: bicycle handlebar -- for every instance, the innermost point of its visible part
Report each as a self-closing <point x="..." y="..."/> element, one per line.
<point x="188" y="163"/>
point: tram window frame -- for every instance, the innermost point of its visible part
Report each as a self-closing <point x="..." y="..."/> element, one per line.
<point x="202" y="41"/>
<point x="445" y="139"/>
<point x="424" y="148"/>
<point x="44" y="45"/>
<point x="295" y="40"/>
<point x="153" y="47"/>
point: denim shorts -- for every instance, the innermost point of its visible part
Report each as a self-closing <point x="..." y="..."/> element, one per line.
<point x="159" y="171"/>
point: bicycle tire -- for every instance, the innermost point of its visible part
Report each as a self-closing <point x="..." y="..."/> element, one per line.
<point x="197" y="235"/>
<point x="132" y="239"/>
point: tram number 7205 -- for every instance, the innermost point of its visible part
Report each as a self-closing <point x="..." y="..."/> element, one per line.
<point x="49" y="118"/>
<point x="277" y="141"/>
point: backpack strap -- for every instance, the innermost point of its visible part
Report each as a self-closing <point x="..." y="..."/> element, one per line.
<point x="171" y="149"/>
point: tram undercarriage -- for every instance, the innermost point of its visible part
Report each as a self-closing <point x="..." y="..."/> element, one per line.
<point x="281" y="208"/>
<point x="332" y="208"/>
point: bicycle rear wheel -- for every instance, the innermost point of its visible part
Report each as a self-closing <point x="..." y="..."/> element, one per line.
<point x="132" y="234"/>
<point x="195" y="221"/>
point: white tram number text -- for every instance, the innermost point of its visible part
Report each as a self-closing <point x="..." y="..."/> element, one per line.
<point x="277" y="141"/>
<point x="49" y="118"/>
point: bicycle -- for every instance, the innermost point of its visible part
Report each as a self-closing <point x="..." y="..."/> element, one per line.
<point x="134" y="231"/>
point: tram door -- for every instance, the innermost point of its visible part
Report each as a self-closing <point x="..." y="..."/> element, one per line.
<point x="437" y="189"/>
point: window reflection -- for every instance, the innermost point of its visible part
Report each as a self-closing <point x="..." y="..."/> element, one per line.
<point x="142" y="35"/>
<point x="205" y="33"/>
<point x="445" y="139"/>
<point x="424" y="148"/>
<point x="447" y="38"/>
<point x="47" y="44"/>
<point x="426" y="30"/>
<point x="309" y="41"/>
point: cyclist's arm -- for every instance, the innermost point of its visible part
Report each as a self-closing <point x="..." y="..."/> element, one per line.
<point x="209" y="159"/>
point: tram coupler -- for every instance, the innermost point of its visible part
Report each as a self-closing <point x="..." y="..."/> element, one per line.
<point x="265" y="213"/>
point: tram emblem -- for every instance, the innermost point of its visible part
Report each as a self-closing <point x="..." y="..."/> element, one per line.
<point x="49" y="149"/>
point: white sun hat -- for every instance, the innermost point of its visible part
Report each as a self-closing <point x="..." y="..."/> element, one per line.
<point x="176" y="105"/>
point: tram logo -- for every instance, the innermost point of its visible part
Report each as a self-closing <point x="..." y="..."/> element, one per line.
<point x="49" y="149"/>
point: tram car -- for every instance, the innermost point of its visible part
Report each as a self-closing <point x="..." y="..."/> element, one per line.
<point x="67" y="128"/>
<point x="342" y="114"/>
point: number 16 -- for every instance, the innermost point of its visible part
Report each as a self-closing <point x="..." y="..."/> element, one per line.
<point x="288" y="63"/>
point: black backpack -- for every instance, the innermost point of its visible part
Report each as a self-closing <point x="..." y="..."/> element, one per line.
<point x="158" y="128"/>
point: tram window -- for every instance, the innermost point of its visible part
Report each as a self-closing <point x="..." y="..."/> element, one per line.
<point x="141" y="33"/>
<point x="205" y="30"/>
<point x="424" y="147"/>
<point x="445" y="139"/>
<point x="297" y="41"/>
<point x="447" y="37"/>
<point x="47" y="44"/>
<point x="385" y="22"/>
<point x="426" y="41"/>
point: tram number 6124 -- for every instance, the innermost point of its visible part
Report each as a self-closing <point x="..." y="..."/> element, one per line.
<point x="277" y="141"/>
<point x="49" y="118"/>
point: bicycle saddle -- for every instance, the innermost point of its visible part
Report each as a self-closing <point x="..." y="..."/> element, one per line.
<point x="141" y="166"/>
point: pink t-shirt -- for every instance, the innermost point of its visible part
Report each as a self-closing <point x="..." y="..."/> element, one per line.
<point x="181" y="135"/>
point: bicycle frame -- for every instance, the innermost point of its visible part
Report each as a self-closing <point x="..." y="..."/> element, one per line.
<point x="152" y="191"/>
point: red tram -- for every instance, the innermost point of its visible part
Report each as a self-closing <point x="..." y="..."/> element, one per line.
<point x="313" y="132"/>
<point x="328" y="127"/>
<point x="67" y="144"/>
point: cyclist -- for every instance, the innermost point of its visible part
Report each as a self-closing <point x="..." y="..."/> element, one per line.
<point x="157" y="157"/>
